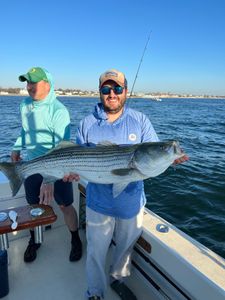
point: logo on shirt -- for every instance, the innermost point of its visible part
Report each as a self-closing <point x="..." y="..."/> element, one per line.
<point x="132" y="137"/>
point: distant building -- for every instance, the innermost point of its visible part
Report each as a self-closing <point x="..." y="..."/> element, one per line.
<point x="57" y="92"/>
<point x="23" y="92"/>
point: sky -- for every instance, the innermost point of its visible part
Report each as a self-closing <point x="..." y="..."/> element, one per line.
<point x="77" y="40"/>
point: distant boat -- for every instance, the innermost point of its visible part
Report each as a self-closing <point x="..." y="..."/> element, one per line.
<point x="154" y="98"/>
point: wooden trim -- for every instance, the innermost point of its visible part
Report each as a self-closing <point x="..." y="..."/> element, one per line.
<point x="25" y="220"/>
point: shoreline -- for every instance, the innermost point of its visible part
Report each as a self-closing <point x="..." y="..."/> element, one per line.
<point x="133" y="97"/>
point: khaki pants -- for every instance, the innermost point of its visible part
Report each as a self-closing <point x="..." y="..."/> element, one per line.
<point x="101" y="229"/>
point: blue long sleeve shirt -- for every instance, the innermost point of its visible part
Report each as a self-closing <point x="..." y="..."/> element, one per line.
<point x="131" y="127"/>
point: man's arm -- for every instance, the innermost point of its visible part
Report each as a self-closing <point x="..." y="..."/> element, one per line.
<point x="19" y="144"/>
<point x="80" y="137"/>
<point x="148" y="131"/>
<point x="46" y="193"/>
<point x="61" y="124"/>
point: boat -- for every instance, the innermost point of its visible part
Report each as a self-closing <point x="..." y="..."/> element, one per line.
<point x="166" y="263"/>
<point x="153" y="98"/>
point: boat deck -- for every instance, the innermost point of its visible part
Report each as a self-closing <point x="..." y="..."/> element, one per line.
<point x="166" y="264"/>
<point x="52" y="275"/>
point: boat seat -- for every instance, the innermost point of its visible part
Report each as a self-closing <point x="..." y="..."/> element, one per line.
<point x="26" y="221"/>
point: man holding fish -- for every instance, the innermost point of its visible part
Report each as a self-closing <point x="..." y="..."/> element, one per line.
<point x="109" y="217"/>
<point x="118" y="149"/>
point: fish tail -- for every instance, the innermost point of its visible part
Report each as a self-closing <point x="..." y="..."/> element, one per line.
<point x="11" y="171"/>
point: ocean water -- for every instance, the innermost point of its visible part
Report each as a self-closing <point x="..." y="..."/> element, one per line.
<point x="192" y="195"/>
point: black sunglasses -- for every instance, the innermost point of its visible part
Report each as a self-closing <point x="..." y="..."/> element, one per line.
<point x="106" y="90"/>
<point x="31" y="82"/>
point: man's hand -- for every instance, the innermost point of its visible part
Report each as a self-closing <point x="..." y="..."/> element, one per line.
<point x="46" y="193"/>
<point x="15" y="156"/>
<point x="181" y="160"/>
<point x="71" y="177"/>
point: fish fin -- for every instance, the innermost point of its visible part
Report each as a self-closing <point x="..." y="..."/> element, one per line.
<point x="106" y="143"/>
<point x="129" y="172"/>
<point x="118" y="188"/>
<point x="65" y="144"/>
<point x="62" y="145"/>
<point x="122" y="172"/>
<point x="10" y="169"/>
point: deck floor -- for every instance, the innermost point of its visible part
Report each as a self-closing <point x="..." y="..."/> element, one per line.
<point x="51" y="275"/>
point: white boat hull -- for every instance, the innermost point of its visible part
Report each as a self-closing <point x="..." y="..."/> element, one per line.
<point x="166" y="265"/>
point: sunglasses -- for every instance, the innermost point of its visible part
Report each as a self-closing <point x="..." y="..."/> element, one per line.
<point x="106" y="90"/>
<point x="31" y="82"/>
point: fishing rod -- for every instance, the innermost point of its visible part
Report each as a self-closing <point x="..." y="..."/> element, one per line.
<point x="131" y="93"/>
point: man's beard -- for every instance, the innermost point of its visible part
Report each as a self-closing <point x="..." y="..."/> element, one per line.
<point x="113" y="110"/>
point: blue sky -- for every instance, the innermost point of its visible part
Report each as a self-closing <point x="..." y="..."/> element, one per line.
<point x="78" y="40"/>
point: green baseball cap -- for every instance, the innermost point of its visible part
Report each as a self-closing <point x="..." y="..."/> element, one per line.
<point x="35" y="74"/>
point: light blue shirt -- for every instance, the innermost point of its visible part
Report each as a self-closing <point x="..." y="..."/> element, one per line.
<point x="44" y="124"/>
<point x="131" y="127"/>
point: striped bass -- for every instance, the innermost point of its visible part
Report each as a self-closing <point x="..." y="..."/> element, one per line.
<point x="104" y="163"/>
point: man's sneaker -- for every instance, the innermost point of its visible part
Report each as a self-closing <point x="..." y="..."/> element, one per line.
<point x="76" y="250"/>
<point x="94" y="298"/>
<point x="122" y="290"/>
<point x="31" y="252"/>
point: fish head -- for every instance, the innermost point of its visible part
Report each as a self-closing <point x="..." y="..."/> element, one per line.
<point x="154" y="158"/>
